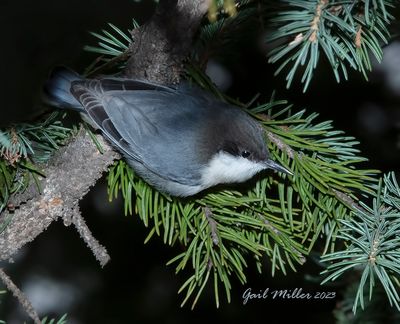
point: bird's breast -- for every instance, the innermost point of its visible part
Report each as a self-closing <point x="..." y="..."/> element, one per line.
<point x="226" y="168"/>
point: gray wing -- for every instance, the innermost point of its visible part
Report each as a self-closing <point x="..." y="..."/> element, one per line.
<point x="151" y="124"/>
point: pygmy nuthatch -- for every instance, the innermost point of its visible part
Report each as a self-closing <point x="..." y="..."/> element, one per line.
<point x="180" y="140"/>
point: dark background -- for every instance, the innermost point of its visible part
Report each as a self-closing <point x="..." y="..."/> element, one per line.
<point x="57" y="271"/>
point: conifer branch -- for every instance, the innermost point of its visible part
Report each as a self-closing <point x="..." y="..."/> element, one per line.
<point x="72" y="171"/>
<point x="347" y="33"/>
<point x="280" y="216"/>
<point x="372" y="238"/>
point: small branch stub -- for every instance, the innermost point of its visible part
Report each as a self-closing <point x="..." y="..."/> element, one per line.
<point x="24" y="302"/>
<point x="358" y="38"/>
<point x="213" y="225"/>
<point x="97" y="249"/>
<point x="317" y="19"/>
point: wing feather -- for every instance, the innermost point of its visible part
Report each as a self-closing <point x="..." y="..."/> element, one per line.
<point x="133" y="114"/>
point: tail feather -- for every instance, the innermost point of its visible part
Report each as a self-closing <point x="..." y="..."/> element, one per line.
<point x="57" y="92"/>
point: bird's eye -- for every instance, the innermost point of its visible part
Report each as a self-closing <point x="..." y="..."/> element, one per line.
<point x="245" y="154"/>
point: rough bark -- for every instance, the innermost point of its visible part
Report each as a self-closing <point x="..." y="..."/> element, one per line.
<point x="160" y="46"/>
<point x="69" y="176"/>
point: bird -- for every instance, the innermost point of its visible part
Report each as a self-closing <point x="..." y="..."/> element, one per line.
<point x="179" y="139"/>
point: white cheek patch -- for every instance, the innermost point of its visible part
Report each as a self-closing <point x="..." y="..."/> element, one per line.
<point x="225" y="168"/>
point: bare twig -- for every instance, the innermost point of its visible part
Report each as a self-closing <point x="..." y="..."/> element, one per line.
<point x="269" y="225"/>
<point x="347" y="200"/>
<point x="358" y="38"/>
<point x="24" y="302"/>
<point x="213" y="225"/>
<point x="281" y="145"/>
<point x="317" y="18"/>
<point x="277" y="232"/>
<point x="98" y="250"/>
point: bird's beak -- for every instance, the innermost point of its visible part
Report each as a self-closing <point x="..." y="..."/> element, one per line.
<point x="277" y="167"/>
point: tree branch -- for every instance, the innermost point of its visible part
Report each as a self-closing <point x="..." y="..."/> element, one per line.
<point x="69" y="175"/>
<point x="160" y="46"/>
<point x="158" y="53"/>
<point x="24" y="302"/>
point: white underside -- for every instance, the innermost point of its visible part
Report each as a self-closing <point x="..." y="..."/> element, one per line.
<point x="225" y="168"/>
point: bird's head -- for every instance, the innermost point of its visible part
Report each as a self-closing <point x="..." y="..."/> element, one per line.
<point x="241" y="154"/>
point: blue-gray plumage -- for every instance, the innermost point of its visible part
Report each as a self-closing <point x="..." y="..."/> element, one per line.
<point x="181" y="140"/>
